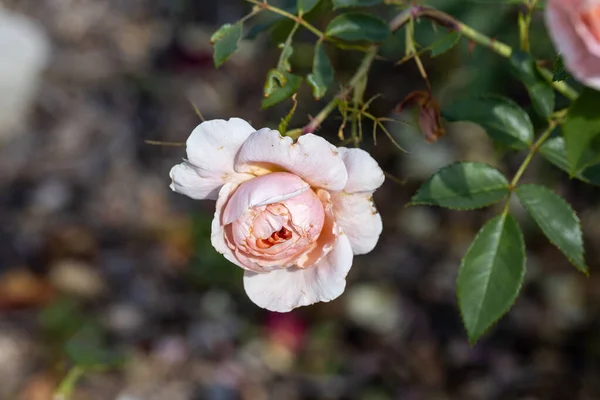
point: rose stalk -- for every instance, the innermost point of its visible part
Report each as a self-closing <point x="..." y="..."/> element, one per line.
<point x="291" y="214"/>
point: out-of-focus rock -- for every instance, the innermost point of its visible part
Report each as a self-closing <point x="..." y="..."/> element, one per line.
<point x="77" y="278"/>
<point x="374" y="308"/>
<point x="25" y="49"/>
<point x="124" y="318"/>
<point x="20" y="288"/>
<point x="16" y="357"/>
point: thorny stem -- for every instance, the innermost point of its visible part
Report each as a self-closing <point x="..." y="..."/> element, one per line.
<point x="266" y="6"/>
<point x="532" y="150"/>
<point x="360" y="73"/>
<point x="552" y="123"/>
<point x="447" y="21"/>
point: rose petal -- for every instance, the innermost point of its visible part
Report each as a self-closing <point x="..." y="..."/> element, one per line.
<point x="358" y="219"/>
<point x="364" y="174"/>
<point x="211" y="149"/>
<point x="285" y="289"/>
<point x="312" y="158"/>
<point x="217" y="235"/>
<point x="327" y="237"/>
<point x="185" y="180"/>
<point x="573" y="40"/>
<point x="263" y="190"/>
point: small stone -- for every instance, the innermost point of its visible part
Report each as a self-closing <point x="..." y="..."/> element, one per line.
<point x="77" y="278"/>
<point x="374" y="308"/>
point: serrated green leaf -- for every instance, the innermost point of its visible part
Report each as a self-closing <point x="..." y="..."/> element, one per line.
<point x="444" y="44"/>
<point x="322" y="74"/>
<point x="288" y="87"/>
<point x="356" y="26"/>
<point x="557" y="220"/>
<point x="559" y="73"/>
<point x="540" y="91"/>
<point x="582" y="131"/>
<point x="503" y="120"/>
<point x="225" y="42"/>
<point x="554" y="151"/>
<point x="305" y="6"/>
<point x="355" y="3"/>
<point x="490" y="275"/>
<point x="463" y="186"/>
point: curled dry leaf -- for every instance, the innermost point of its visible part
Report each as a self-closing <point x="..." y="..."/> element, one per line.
<point x="429" y="118"/>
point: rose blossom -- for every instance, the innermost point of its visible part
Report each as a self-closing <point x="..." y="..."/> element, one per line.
<point x="291" y="214"/>
<point x="574" y="26"/>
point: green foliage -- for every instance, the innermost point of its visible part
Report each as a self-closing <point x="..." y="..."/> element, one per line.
<point x="355" y="3"/>
<point x="503" y="120"/>
<point x="491" y="275"/>
<point x="582" y="132"/>
<point x="357" y="26"/>
<point x="87" y="349"/>
<point x="286" y="85"/>
<point x="540" y="91"/>
<point x="556" y="219"/>
<point x="322" y="73"/>
<point x="554" y="151"/>
<point x="463" y="186"/>
<point x="225" y="42"/>
<point x="558" y="70"/>
<point x="446" y="43"/>
<point x="305" y="6"/>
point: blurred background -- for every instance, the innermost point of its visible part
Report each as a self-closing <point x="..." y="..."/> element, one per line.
<point x="101" y="264"/>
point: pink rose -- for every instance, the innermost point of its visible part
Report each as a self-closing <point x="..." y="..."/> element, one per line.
<point x="574" y="26"/>
<point x="291" y="214"/>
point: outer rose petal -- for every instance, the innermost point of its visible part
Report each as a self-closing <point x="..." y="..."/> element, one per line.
<point x="358" y="219"/>
<point x="211" y="149"/>
<point x="364" y="174"/>
<point x="261" y="191"/>
<point x="312" y="158"/>
<point x="185" y="180"/>
<point x="580" y="50"/>
<point x="217" y="235"/>
<point x="285" y="289"/>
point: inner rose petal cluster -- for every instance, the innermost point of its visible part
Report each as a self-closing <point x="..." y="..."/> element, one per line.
<point x="574" y="26"/>
<point x="291" y="214"/>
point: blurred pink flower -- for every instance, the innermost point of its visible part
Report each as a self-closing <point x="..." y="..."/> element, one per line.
<point x="291" y="214"/>
<point x="574" y="26"/>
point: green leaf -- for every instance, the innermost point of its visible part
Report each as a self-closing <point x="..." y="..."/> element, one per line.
<point x="463" y="186"/>
<point x="582" y="131"/>
<point x="490" y="275"/>
<point x="444" y="44"/>
<point x="355" y="3"/>
<point x="286" y="88"/>
<point x="354" y="26"/>
<point x="322" y="74"/>
<point x="305" y="6"/>
<point x="554" y="151"/>
<point x="267" y="23"/>
<point x="557" y="220"/>
<point x="225" y="42"/>
<point x="540" y="91"/>
<point x="559" y="73"/>
<point x="86" y="349"/>
<point x="503" y="120"/>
